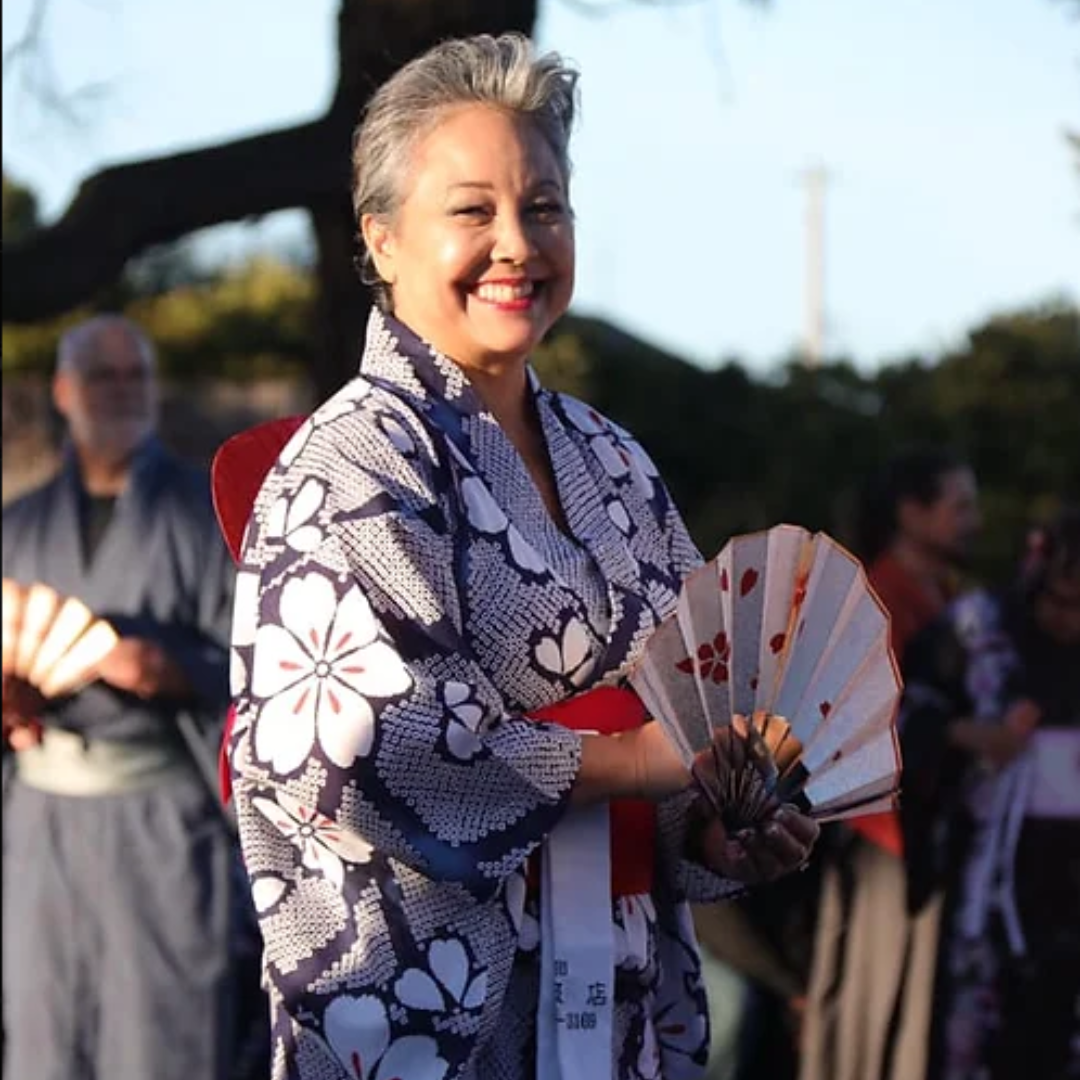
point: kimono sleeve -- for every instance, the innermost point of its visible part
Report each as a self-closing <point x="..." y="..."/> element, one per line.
<point x="364" y="695"/>
<point x="200" y="643"/>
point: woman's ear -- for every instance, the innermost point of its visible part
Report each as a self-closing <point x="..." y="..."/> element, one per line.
<point x="379" y="240"/>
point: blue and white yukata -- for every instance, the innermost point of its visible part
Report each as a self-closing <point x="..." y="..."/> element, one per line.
<point x="404" y="599"/>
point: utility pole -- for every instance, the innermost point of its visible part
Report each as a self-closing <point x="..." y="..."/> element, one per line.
<point x="815" y="180"/>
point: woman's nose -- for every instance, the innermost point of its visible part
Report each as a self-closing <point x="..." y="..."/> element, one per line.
<point x="513" y="243"/>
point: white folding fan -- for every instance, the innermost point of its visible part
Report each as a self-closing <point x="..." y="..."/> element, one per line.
<point x="781" y="629"/>
<point x="54" y="642"/>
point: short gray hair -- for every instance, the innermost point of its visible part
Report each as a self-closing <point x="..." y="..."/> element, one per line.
<point x="77" y="340"/>
<point x="504" y="72"/>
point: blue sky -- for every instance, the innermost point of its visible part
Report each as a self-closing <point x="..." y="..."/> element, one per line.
<point x="951" y="191"/>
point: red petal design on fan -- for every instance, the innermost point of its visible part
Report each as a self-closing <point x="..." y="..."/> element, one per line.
<point x="754" y="683"/>
<point x="724" y="586"/>
<point x="800" y="590"/>
<point x="705" y="651"/>
<point x="776" y="642"/>
<point x="720" y="673"/>
<point x="825" y="707"/>
<point x="748" y="581"/>
<point x="686" y="666"/>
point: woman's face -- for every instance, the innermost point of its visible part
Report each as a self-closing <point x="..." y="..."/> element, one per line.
<point x="480" y="256"/>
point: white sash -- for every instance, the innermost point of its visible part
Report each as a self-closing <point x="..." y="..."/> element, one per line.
<point x="1044" y="782"/>
<point x="577" y="950"/>
<point x="1056" y="790"/>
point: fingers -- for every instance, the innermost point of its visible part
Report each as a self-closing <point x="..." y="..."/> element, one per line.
<point x="769" y="851"/>
<point x="725" y="855"/>
<point x="24" y="736"/>
<point x="805" y="830"/>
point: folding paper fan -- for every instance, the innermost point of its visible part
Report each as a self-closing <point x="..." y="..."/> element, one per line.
<point x="779" y="649"/>
<point x="53" y="642"/>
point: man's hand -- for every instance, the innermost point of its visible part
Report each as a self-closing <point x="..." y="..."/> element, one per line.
<point x="143" y="668"/>
<point x="22" y="705"/>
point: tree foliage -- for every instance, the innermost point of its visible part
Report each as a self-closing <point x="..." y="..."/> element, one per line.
<point x="743" y="453"/>
<point x="20" y="211"/>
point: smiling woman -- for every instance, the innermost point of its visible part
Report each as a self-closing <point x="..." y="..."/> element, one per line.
<point x="445" y="579"/>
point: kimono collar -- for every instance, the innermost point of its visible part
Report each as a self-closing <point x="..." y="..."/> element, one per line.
<point x="397" y="355"/>
<point x="146" y="465"/>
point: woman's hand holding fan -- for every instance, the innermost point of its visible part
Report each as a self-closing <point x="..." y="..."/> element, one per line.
<point x="775" y="681"/>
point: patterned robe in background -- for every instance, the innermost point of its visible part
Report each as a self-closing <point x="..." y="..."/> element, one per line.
<point x="1009" y="1004"/>
<point x="404" y="598"/>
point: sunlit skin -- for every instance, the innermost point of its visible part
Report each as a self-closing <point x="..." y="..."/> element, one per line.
<point x="480" y="255"/>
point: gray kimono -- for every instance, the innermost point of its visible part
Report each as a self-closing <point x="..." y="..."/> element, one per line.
<point x="117" y="861"/>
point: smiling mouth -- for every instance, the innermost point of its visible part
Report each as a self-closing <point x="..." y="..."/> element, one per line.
<point x="516" y="294"/>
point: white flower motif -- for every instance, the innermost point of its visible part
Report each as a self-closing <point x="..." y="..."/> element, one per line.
<point x="523" y="553"/>
<point x="324" y="845"/>
<point x="585" y="418"/>
<point x="642" y="470"/>
<point x="358" y="1032"/>
<point x="648" y="1063"/>
<point x="681" y="1027"/>
<point x="339" y="405"/>
<point x="291" y="518"/>
<point x="525" y="923"/>
<point x="636" y="915"/>
<point x="621" y="519"/>
<point x="266" y="891"/>
<point x="568" y="657"/>
<point x="612" y="455"/>
<point x="245" y="607"/>
<point x="466" y="714"/>
<point x="412" y="1057"/>
<point x="397" y="434"/>
<point x="313" y="672"/>
<point x="484" y="513"/>
<point x="450" y="984"/>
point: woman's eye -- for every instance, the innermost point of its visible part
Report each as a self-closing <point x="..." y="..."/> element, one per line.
<point x="470" y="211"/>
<point x="546" y="210"/>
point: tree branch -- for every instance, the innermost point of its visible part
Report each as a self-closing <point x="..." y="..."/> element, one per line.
<point x="120" y="211"/>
